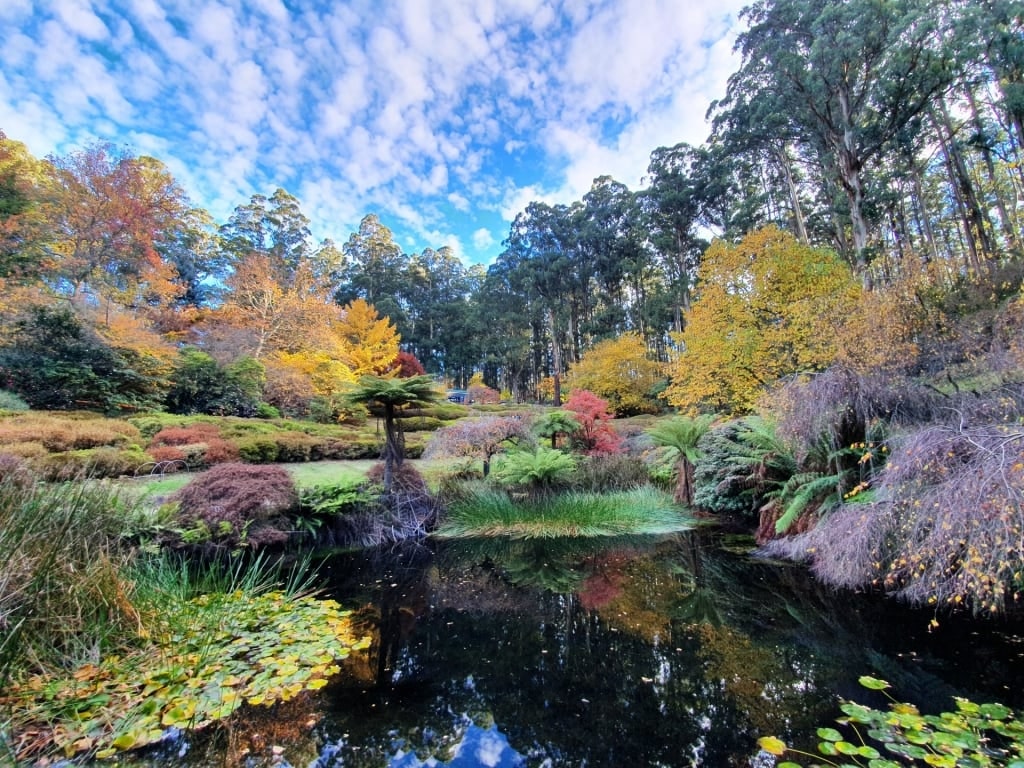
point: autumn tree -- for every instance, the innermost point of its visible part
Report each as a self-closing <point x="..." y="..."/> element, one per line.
<point x="480" y="438"/>
<point x="619" y="370"/>
<point x="23" y="181"/>
<point x="596" y="434"/>
<point x="768" y="307"/>
<point x="108" y="212"/>
<point x="367" y="343"/>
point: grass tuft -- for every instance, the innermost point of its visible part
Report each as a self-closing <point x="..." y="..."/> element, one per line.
<point x="485" y="511"/>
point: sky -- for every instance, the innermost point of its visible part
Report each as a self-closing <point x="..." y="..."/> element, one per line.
<point x="443" y="117"/>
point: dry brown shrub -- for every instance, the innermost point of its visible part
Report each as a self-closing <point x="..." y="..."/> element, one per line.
<point x="64" y="433"/>
<point x="161" y="453"/>
<point x="219" y="451"/>
<point x="948" y="528"/>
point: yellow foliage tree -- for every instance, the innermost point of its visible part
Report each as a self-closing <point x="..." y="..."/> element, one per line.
<point x="619" y="371"/>
<point x="365" y="342"/>
<point x="768" y="307"/>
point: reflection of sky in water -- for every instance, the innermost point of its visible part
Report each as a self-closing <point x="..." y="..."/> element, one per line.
<point x="479" y="748"/>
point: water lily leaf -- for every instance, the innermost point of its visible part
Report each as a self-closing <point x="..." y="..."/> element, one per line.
<point x="872" y="683"/>
<point x="830" y="734"/>
<point x="772" y="745"/>
<point x="316" y="685"/>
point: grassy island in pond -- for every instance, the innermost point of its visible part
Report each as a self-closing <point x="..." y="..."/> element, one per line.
<point x="484" y="511"/>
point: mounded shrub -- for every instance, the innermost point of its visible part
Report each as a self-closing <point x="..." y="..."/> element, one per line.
<point x="11" y="402"/>
<point x="234" y="504"/>
<point x="105" y="461"/>
<point x="257" y="450"/>
<point x="199" y="432"/>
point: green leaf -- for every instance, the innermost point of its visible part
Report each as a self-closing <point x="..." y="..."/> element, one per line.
<point x="830" y="734"/>
<point x="873" y="683"/>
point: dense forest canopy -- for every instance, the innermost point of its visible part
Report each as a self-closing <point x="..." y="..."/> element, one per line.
<point x="879" y="143"/>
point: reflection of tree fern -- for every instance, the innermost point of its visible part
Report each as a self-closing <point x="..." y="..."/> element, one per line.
<point x="698" y="607"/>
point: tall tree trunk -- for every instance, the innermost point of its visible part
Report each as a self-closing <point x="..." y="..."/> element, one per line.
<point x="1006" y="221"/>
<point x="849" y="164"/>
<point x="556" y="358"/>
<point x="785" y="162"/>
<point x="975" y="221"/>
<point x="921" y="213"/>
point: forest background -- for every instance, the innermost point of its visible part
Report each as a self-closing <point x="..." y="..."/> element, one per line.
<point x="843" y="254"/>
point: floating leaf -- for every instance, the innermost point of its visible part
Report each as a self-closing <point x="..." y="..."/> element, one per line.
<point x="772" y="745"/>
<point x="873" y="683"/>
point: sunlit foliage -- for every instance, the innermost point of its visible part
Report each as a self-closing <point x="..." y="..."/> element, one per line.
<point x="621" y="371"/>
<point x="767" y="307"/>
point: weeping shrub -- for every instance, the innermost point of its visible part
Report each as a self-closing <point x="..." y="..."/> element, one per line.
<point x="237" y="504"/>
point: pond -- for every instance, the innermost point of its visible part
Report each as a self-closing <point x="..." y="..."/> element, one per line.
<point x="669" y="651"/>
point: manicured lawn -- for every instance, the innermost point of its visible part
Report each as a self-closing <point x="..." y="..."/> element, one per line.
<point x="307" y="475"/>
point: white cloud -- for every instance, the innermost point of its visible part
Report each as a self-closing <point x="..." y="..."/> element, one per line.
<point x="409" y="109"/>
<point x="483" y="239"/>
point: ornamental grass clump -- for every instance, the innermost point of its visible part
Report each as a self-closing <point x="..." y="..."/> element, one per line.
<point x="62" y="596"/>
<point x="487" y="511"/>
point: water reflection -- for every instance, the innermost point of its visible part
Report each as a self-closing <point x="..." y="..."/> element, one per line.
<point x="664" y="651"/>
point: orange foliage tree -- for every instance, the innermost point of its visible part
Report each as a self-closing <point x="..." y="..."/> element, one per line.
<point x="768" y="307"/>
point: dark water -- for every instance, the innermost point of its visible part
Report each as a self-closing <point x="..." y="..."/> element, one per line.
<point x="673" y="651"/>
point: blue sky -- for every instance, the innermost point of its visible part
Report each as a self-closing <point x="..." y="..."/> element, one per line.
<point x="444" y="117"/>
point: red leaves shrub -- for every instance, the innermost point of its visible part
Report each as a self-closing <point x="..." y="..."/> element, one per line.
<point x="237" y="503"/>
<point x="200" y="432"/>
<point x="162" y="453"/>
<point x="596" y="434"/>
<point x="481" y="393"/>
<point x="198" y="445"/>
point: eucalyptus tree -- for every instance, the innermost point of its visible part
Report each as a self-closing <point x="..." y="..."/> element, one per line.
<point x="375" y="269"/>
<point x="274" y="227"/>
<point x="849" y="74"/>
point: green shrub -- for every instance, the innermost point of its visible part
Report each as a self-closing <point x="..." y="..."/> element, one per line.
<point x="297" y="446"/>
<point x="538" y="472"/>
<point x="257" y="450"/>
<point x="106" y="461"/>
<point x="11" y="402"/>
<point x="267" y="411"/>
<point x="421" y="424"/>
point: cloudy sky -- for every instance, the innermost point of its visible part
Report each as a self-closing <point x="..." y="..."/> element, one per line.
<point x="444" y="117"/>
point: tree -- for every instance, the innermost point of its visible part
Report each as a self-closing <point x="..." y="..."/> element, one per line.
<point x="620" y="371"/>
<point x="202" y="385"/>
<point x="555" y="423"/>
<point x="851" y="76"/>
<point x="366" y="342"/>
<point x="681" y="435"/>
<point x="768" y="307"/>
<point x="55" y="361"/>
<point x="392" y="395"/>
<point x="375" y="270"/>
<point x="480" y="438"/>
<point x="275" y="228"/>
<point x="596" y="434"/>
<point x="108" y="214"/>
<point x="23" y="228"/>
